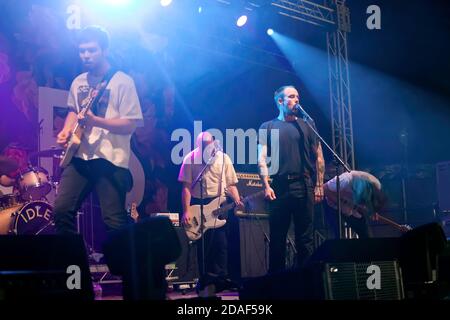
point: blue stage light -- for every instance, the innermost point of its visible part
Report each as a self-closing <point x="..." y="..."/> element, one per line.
<point x="269" y="31"/>
<point x="241" y="20"/>
<point x="117" y="2"/>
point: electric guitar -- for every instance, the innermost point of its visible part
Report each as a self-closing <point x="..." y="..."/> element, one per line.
<point x="401" y="227"/>
<point x="348" y="209"/>
<point x="211" y="214"/>
<point x="77" y="133"/>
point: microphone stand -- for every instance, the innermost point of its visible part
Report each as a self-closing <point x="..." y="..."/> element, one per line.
<point x="336" y="159"/>
<point x="40" y="130"/>
<point x="202" y="217"/>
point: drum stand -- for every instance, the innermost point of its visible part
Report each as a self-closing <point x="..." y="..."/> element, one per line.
<point x="51" y="223"/>
<point x="92" y="254"/>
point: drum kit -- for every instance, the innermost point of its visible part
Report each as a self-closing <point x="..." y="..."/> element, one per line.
<point x="26" y="210"/>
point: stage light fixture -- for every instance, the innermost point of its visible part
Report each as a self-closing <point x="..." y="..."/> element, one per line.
<point x="117" y="2"/>
<point x="241" y="21"/>
<point x="269" y="31"/>
<point x="165" y="3"/>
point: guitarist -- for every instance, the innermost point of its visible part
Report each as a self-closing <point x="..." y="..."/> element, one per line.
<point x="219" y="179"/>
<point x="361" y="198"/>
<point x="102" y="159"/>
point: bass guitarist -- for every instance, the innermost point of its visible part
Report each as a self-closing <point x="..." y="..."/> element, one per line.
<point x="103" y="103"/>
<point x="219" y="179"/>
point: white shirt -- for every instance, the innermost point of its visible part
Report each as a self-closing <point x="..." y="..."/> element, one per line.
<point x="119" y="101"/>
<point x="217" y="177"/>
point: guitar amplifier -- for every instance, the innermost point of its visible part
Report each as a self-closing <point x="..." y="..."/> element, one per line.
<point x="173" y="217"/>
<point x="250" y="183"/>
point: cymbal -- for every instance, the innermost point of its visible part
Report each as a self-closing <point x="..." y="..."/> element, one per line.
<point x="7" y="165"/>
<point x="49" y="153"/>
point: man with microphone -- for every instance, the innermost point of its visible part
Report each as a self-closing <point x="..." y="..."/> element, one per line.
<point x="297" y="181"/>
<point x="219" y="180"/>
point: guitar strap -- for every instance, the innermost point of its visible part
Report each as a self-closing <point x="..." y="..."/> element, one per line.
<point x="102" y="84"/>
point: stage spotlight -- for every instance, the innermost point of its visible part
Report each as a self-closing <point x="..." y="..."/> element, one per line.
<point x="200" y="9"/>
<point x="117" y="2"/>
<point x="269" y="31"/>
<point x="241" y="21"/>
<point x="165" y="3"/>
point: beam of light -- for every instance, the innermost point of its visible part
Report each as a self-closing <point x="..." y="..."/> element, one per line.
<point x="241" y="21"/>
<point x="310" y="64"/>
<point x="165" y="3"/>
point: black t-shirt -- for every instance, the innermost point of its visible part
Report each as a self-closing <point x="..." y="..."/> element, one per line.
<point x="293" y="151"/>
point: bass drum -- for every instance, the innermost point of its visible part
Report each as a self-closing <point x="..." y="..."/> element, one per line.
<point x="34" y="184"/>
<point x="33" y="218"/>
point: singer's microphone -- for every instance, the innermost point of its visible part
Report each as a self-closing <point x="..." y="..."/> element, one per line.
<point x="298" y="108"/>
<point x="300" y="111"/>
<point x="216" y="147"/>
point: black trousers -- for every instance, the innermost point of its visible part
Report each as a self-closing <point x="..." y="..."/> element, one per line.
<point x="216" y="252"/>
<point x="80" y="178"/>
<point x="294" y="202"/>
<point x="216" y="248"/>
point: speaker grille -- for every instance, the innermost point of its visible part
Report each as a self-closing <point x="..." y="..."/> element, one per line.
<point x="348" y="281"/>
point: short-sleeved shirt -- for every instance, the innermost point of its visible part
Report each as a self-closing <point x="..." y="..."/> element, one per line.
<point x="217" y="177"/>
<point x="292" y="152"/>
<point x="118" y="101"/>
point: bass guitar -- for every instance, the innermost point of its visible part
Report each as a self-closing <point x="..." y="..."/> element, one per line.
<point x="212" y="212"/>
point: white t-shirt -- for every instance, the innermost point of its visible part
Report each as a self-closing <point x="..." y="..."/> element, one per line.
<point x="214" y="182"/>
<point x="119" y="101"/>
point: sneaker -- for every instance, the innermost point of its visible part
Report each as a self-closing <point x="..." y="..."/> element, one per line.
<point x="226" y="284"/>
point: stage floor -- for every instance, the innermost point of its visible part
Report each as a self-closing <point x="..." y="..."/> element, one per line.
<point x="175" y="295"/>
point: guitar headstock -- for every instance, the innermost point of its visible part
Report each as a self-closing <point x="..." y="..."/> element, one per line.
<point x="405" y="227"/>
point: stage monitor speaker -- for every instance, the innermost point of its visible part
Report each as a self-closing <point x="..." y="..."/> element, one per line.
<point x="421" y="248"/>
<point x="340" y="270"/>
<point x="44" y="267"/>
<point x="358" y="281"/>
<point x="185" y="268"/>
<point x="443" y="185"/>
<point x="358" y="250"/>
<point x="139" y="253"/>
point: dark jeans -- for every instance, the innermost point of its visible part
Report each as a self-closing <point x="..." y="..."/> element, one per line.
<point x="295" y="201"/>
<point x="79" y="179"/>
<point x="216" y="248"/>
<point x="215" y="252"/>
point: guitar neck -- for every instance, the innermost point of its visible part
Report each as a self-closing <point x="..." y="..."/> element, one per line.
<point x="231" y="206"/>
<point x="392" y="223"/>
<point x="224" y="209"/>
